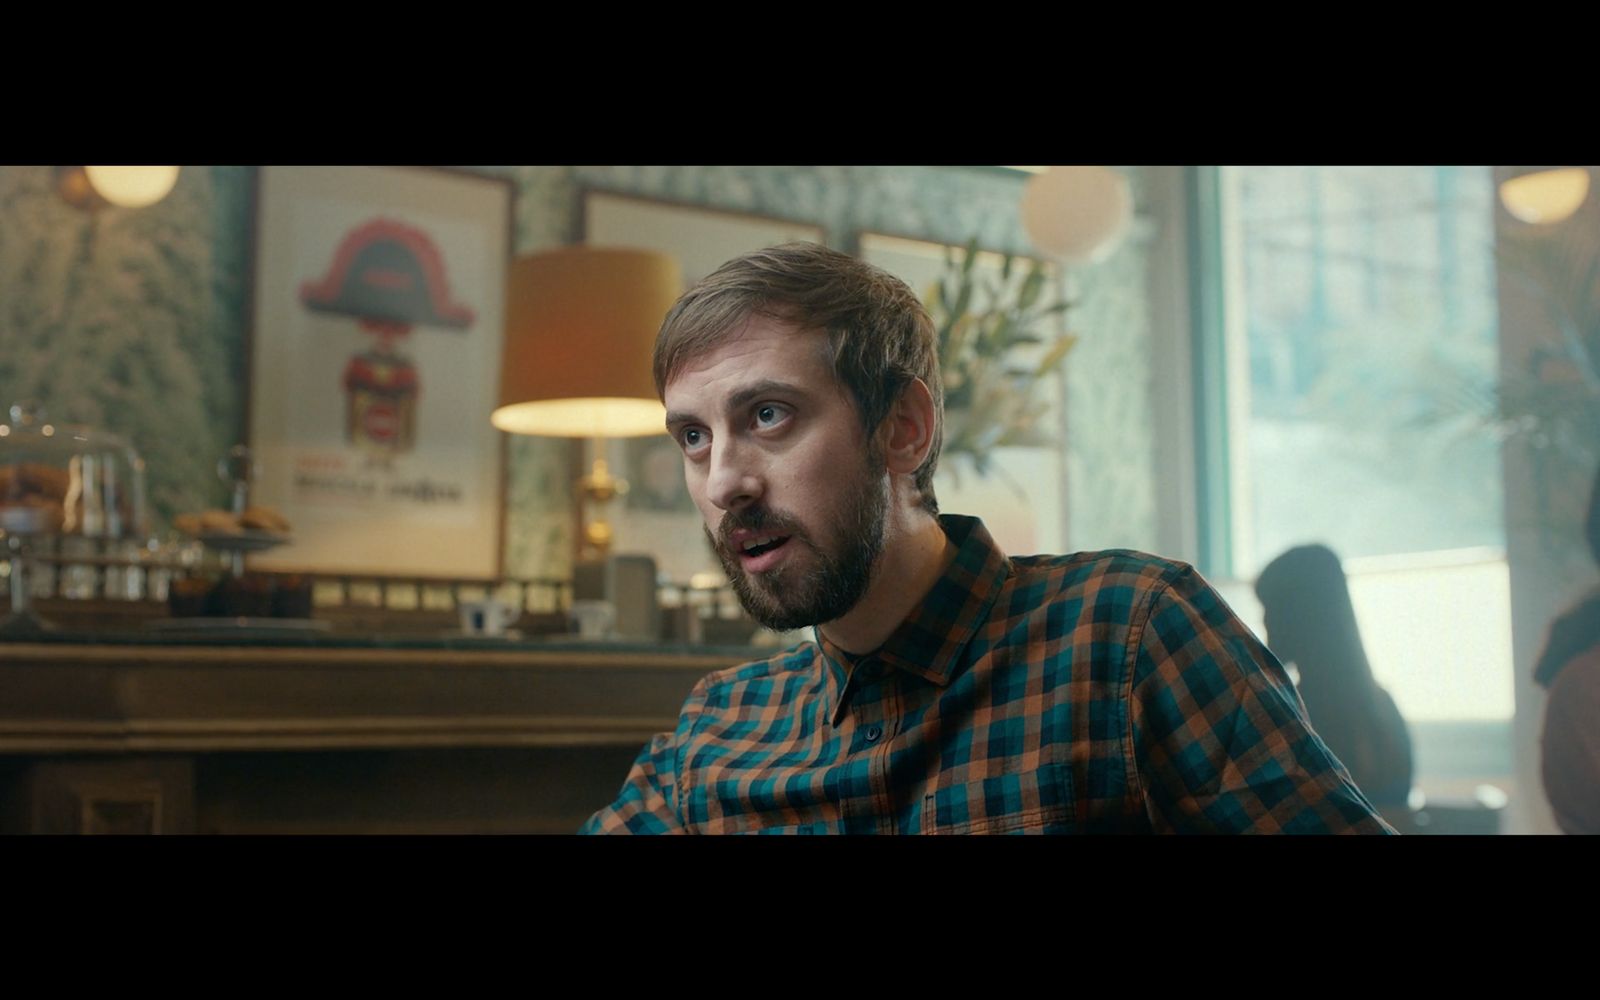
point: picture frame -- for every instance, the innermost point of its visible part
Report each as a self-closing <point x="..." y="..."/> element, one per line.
<point x="657" y="516"/>
<point x="377" y="316"/>
<point x="1023" y="499"/>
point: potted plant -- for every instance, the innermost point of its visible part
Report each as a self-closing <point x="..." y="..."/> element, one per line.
<point x="999" y="337"/>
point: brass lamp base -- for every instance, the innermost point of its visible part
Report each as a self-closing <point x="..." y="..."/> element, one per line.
<point x="595" y="491"/>
<point x="597" y="536"/>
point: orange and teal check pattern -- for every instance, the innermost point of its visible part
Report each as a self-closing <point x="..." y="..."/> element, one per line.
<point x="1105" y="692"/>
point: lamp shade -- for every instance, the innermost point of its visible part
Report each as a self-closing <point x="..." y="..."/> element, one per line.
<point x="1076" y="214"/>
<point x="1545" y="194"/>
<point x="132" y="187"/>
<point x="581" y="325"/>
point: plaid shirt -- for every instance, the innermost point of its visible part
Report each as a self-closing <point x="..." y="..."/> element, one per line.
<point x="1102" y="692"/>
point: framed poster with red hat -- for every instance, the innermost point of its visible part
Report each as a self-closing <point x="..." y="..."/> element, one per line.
<point x="377" y="320"/>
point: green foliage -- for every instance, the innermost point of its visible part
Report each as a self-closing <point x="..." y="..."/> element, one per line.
<point x="126" y="320"/>
<point x="1555" y="404"/>
<point x="996" y="343"/>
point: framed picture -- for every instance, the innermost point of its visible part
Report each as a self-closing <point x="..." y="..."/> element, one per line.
<point x="377" y="319"/>
<point x="1021" y="497"/>
<point x="657" y="517"/>
<point x="654" y="470"/>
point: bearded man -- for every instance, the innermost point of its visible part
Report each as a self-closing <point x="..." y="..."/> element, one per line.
<point x="950" y="688"/>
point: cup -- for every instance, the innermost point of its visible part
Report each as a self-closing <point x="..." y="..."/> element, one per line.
<point x="487" y="617"/>
<point x="595" y="619"/>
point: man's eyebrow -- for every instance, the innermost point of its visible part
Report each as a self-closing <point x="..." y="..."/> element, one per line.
<point x="766" y="387"/>
<point x="740" y="399"/>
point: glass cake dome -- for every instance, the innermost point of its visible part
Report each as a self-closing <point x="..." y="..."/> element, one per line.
<point x="67" y="479"/>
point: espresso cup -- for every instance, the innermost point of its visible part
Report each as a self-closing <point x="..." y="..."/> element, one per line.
<point x="595" y="619"/>
<point x="486" y="617"/>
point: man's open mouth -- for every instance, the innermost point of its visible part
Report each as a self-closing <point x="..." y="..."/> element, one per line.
<point x="761" y="545"/>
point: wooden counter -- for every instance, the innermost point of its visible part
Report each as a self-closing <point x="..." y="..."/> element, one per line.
<point x="324" y="739"/>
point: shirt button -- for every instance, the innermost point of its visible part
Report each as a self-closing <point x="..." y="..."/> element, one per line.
<point x="873" y="732"/>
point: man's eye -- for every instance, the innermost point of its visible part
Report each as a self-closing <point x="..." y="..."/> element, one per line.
<point x="692" y="439"/>
<point x="769" y="414"/>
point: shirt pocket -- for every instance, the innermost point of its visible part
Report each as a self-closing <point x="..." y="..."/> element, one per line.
<point x="1025" y="802"/>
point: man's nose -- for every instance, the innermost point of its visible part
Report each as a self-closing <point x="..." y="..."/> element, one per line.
<point x="734" y="481"/>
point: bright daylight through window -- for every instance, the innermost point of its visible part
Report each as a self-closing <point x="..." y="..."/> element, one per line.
<point x="1360" y="345"/>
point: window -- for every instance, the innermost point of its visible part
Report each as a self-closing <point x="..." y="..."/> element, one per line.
<point x="1347" y="340"/>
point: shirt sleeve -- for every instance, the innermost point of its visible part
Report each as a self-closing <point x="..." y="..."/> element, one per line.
<point x="1220" y="738"/>
<point x="650" y="798"/>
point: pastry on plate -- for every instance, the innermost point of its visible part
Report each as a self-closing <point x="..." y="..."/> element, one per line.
<point x="218" y="522"/>
<point x="264" y="519"/>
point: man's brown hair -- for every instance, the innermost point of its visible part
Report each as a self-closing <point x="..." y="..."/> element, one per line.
<point x="880" y="334"/>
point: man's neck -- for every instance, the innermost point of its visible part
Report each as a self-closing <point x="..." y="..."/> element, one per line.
<point x="913" y="558"/>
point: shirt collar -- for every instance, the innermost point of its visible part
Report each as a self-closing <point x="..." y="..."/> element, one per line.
<point x="929" y="643"/>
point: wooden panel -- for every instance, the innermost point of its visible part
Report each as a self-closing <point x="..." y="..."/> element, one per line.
<point x="59" y="698"/>
<point x="143" y="795"/>
<point x="506" y="791"/>
<point x="103" y="739"/>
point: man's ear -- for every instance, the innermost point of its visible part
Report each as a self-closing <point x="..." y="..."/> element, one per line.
<point x="908" y="429"/>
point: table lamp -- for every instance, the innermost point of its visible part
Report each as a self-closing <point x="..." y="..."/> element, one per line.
<point x="581" y="324"/>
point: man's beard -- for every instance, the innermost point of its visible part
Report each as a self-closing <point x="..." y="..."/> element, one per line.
<point x="789" y="596"/>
